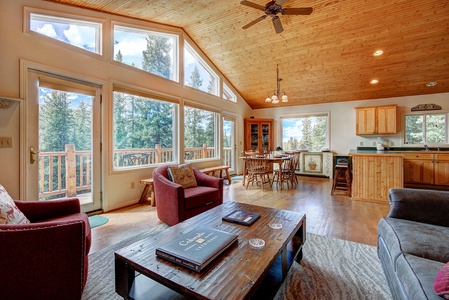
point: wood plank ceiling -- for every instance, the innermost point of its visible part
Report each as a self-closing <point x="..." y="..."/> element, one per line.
<point x="324" y="57"/>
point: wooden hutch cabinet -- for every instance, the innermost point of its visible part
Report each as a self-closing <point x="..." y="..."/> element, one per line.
<point x="258" y="134"/>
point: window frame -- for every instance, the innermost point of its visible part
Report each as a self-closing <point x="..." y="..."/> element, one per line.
<point x="227" y="90"/>
<point x="217" y="139"/>
<point x="307" y="115"/>
<point x="196" y="54"/>
<point x="153" y="95"/>
<point x="77" y="20"/>
<point x="425" y="114"/>
<point x="146" y="30"/>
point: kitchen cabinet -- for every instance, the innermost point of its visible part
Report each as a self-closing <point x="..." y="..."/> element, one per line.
<point x="426" y="168"/>
<point x="258" y="134"/>
<point x="376" y="120"/>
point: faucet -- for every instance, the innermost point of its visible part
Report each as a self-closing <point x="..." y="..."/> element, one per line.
<point x="426" y="147"/>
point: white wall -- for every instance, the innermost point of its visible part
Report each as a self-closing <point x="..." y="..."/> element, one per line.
<point x="342" y="119"/>
<point x="16" y="45"/>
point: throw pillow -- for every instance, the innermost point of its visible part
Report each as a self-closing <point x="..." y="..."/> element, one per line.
<point x="183" y="175"/>
<point x="9" y="213"/>
<point x="441" y="283"/>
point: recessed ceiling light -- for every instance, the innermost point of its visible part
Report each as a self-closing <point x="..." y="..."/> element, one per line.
<point x="378" y="53"/>
<point x="374" y="81"/>
<point x="432" y="83"/>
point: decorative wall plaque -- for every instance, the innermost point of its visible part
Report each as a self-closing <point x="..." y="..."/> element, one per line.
<point x="429" y="106"/>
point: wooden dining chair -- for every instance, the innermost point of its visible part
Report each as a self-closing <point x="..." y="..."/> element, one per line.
<point x="285" y="167"/>
<point x="258" y="170"/>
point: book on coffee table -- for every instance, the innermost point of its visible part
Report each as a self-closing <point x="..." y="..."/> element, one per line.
<point x="242" y="217"/>
<point x="197" y="248"/>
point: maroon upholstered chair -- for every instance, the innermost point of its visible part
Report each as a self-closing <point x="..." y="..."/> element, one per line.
<point x="46" y="259"/>
<point x="176" y="203"/>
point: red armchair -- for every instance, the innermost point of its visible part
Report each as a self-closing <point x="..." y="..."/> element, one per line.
<point x="176" y="203"/>
<point x="46" y="259"/>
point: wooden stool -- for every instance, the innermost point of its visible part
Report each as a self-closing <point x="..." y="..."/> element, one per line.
<point x="342" y="178"/>
<point x="143" y="198"/>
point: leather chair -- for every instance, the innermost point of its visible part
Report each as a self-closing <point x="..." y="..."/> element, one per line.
<point x="46" y="259"/>
<point x="176" y="203"/>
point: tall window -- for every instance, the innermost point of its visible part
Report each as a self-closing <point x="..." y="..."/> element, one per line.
<point x="150" y="51"/>
<point x="143" y="130"/>
<point x="228" y="94"/>
<point x="82" y="34"/>
<point x="197" y="74"/>
<point x="200" y="134"/>
<point x="426" y="128"/>
<point x="309" y="132"/>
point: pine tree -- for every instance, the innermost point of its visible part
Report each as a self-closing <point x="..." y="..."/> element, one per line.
<point x="307" y="133"/>
<point x="195" y="79"/>
<point x="56" y="122"/>
<point x="82" y="126"/>
<point x="156" y="58"/>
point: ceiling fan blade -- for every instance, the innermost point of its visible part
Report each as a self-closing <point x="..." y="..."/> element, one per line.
<point x="254" y="22"/>
<point x="277" y="24"/>
<point x="298" y="11"/>
<point x="253" y="5"/>
<point x="280" y="2"/>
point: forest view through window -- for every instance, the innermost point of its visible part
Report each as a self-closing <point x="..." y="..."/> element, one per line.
<point x="425" y="128"/>
<point x="143" y="130"/>
<point x="200" y="134"/>
<point x="309" y="132"/>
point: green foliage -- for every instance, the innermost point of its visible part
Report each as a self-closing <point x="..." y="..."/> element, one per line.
<point x="425" y="128"/>
<point x="156" y="58"/>
<point x="195" y="79"/>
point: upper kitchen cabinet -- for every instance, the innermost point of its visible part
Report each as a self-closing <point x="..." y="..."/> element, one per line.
<point x="259" y="134"/>
<point x="376" y="120"/>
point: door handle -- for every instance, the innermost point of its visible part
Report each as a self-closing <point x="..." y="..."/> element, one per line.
<point x="32" y="155"/>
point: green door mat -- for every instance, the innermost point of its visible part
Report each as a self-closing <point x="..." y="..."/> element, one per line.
<point x="97" y="220"/>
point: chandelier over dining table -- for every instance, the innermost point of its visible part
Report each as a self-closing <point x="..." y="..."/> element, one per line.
<point x="275" y="98"/>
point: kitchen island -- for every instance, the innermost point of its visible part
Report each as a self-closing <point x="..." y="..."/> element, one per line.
<point x="374" y="173"/>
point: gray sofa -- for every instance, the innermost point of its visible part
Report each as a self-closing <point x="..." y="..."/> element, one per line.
<point x="413" y="241"/>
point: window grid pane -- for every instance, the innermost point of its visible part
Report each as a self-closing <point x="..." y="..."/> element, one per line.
<point x="146" y="50"/>
<point x="78" y="33"/>
<point x="143" y="131"/>
<point x="200" y="134"/>
<point x="304" y="133"/>
<point x="196" y="73"/>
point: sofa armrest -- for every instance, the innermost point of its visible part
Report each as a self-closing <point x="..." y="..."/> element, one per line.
<point x="425" y="206"/>
<point x="37" y="211"/>
<point x="210" y="181"/>
<point x="44" y="260"/>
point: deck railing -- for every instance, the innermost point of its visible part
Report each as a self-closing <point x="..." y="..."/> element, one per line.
<point x="67" y="173"/>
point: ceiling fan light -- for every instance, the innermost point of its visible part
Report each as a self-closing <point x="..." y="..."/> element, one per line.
<point x="275" y="99"/>
<point x="268" y="99"/>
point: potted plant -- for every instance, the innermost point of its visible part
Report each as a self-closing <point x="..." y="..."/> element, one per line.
<point x="312" y="164"/>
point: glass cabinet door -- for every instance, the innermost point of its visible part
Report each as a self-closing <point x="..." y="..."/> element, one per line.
<point x="265" y="137"/>
<point x="255" y="137"/>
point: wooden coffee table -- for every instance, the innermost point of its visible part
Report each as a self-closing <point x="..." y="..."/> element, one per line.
<point x="241" y="272"/>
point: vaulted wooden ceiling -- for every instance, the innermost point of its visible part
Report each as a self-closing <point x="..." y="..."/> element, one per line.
<point x="323" y="57"/>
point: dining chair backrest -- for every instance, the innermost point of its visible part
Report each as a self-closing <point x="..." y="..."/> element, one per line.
<point x="257" y="165"/>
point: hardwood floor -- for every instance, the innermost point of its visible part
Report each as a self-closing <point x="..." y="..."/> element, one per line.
<point x="335" y="216"/>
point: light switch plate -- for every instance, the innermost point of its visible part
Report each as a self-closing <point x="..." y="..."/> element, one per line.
<point x="5" y="142"/>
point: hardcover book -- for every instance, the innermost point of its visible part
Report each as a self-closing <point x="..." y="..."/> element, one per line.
<point x="242" y="217"/>
<point x="197" y="248"/>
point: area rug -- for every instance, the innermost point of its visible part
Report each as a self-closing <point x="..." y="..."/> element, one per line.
<point x="331" y="269"/>
<point x="97" y="220"/>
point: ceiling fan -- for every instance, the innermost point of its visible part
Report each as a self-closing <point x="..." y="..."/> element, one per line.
<point x="272" y="9"/>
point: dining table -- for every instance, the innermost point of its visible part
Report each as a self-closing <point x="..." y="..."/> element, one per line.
<point x="271" y="159"/>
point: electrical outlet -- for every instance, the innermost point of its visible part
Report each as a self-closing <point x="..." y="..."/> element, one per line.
<point x="5" y="142"/>
<point x="132" y="185"/>
<point x="361" y="143"/>
<point x="374" y="143"/>
<point x="392" y="144"/>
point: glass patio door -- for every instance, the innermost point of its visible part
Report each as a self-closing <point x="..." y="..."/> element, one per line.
<point x="229" y="145"/>
<point x="63" y="140"/>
